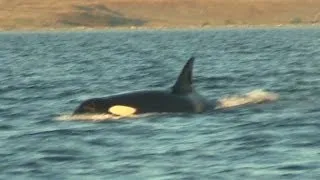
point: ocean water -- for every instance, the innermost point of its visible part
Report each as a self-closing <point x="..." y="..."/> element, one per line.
<point x="45" y="75"/>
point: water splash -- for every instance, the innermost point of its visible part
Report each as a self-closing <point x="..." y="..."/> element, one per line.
<point x="89" y="117"/>
<point x="253" y="97"/>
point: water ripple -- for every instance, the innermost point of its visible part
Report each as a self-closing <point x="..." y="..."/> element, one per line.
<point x="45" y="75"/>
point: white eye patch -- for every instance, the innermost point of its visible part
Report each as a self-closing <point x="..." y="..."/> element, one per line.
<point x="121" y="110"/>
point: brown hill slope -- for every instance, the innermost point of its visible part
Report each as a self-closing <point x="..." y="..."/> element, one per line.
<point x="22" y="14"/>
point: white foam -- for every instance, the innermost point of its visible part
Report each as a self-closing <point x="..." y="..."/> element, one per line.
<point x="253" y="97"/>
<point x="88" y="117"/>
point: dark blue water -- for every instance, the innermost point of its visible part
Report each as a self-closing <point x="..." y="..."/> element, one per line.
<point x="45" y="75"/>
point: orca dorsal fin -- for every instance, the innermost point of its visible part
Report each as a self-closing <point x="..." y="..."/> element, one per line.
<point x="183" y="84"/>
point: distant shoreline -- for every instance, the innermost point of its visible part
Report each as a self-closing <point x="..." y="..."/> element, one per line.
<point x="133" y="28"/>
<point x="52" y="15"/>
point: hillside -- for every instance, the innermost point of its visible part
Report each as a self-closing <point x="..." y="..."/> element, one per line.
<point x="48" y="14"/>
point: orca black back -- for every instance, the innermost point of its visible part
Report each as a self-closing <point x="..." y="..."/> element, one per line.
<point x="181" y="97"/>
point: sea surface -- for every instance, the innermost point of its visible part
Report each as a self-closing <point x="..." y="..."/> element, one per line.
<point x="45" y="75"/>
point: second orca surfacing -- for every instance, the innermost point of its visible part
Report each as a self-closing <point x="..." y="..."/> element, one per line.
<point x="181" y="97"/>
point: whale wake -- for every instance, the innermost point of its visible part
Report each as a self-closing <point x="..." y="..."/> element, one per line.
<point x="257" y="96"/>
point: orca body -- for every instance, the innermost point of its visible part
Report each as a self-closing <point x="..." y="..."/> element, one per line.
<point x="179" y="98"/>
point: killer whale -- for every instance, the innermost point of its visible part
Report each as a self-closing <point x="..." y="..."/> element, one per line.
<point x="181" y="97"/>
